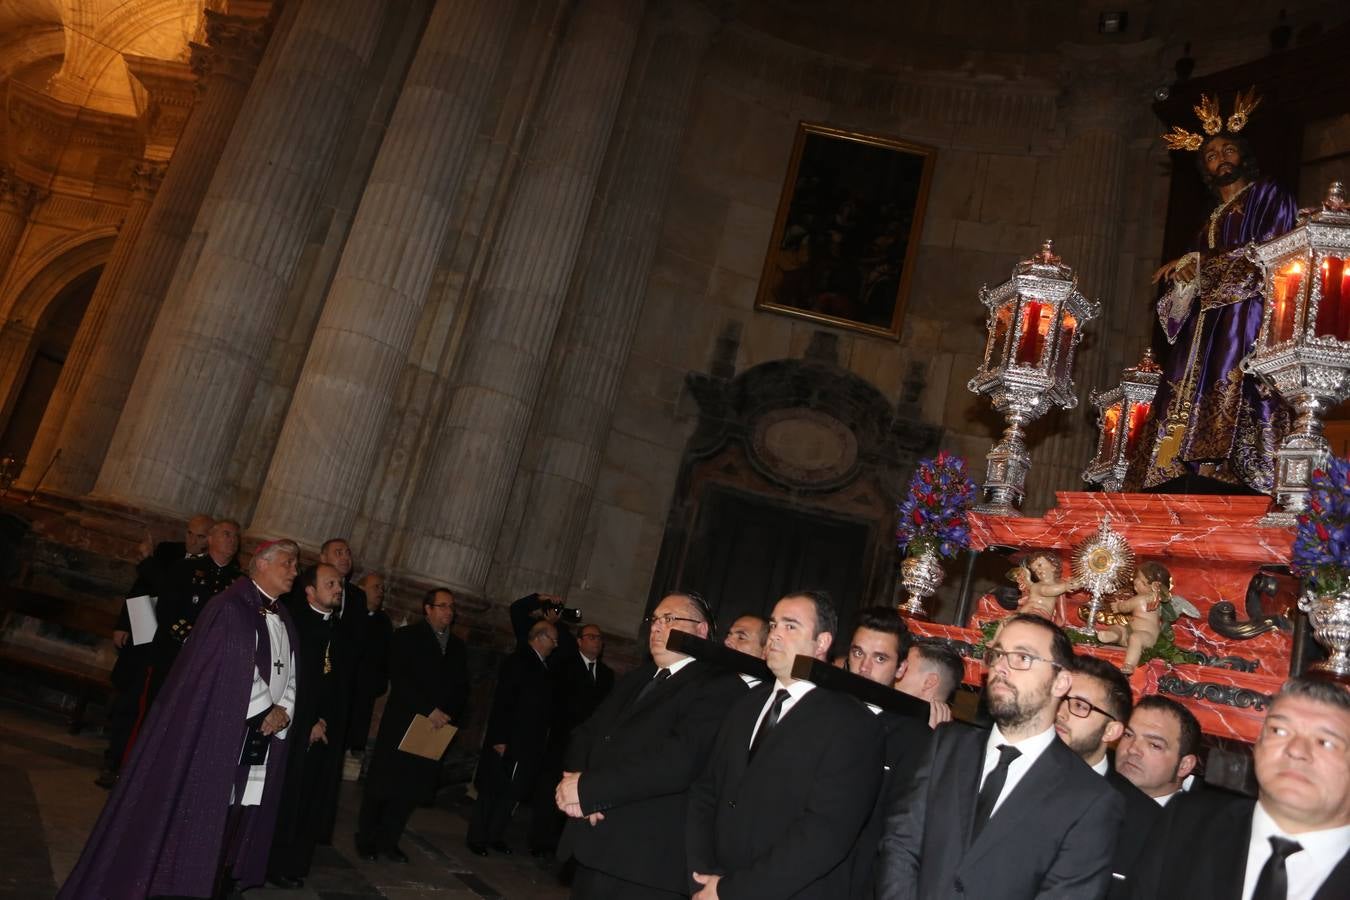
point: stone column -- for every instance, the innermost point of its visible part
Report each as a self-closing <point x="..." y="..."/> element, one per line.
<point x="1100" y="112"/>
<point x="572" y="419"/>
<point x="16" y="200"/>
<point x="338" y="412"/>
<point x="91" y="393"/>
<point x="465" y="486"/>
<point x="171" y="446"/>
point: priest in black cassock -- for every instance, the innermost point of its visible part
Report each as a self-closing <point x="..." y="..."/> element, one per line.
<point x="314" y="767"/>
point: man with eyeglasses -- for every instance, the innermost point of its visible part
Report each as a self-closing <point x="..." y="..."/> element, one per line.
<point x="792" y="779"/>
<point x="515" y="742"/>
<point x="1014" y="813"/>
<point x="429" y="676"/>
<point x="629" y="765"/>
<point x="1091" y="718"/>
<point x="1293" y="841"/>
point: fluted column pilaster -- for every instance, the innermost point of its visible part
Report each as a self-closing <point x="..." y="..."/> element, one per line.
<point x="573" y="416"/>
<point x="172" y="442"/>
<point x="90" y="395"/>
<point x="465" y="486"/>
<point x="16" y="201"/>
<point x="318" y="472"/>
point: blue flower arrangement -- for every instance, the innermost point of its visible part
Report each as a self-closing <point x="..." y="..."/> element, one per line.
<point x="933" y="514"/>
<point x="1322" y="538"/>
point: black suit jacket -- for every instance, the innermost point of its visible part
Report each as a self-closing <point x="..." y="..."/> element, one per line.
<point x="421" y="679"/>
<point x="581" y="694"/>
<point x="1053" y="835"/>
<point x="1142" y="813"/>
<point x="784" y="824"/>
<point x="905" y="743"/>
<point x="637" y="761"/>
<point x="1198" y="851"/>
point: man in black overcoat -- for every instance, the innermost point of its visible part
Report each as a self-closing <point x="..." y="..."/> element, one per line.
<point x="429" y="676"/>
<point x="372" y="673"/>
<point x="516" y="740"/>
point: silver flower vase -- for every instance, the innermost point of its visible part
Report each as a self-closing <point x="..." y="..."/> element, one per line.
<point x="920" y="574"/>
<point x="1329" y="615"/>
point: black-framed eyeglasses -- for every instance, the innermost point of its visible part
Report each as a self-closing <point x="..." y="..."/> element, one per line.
<point x="668" y="620"/>
<point x="1016" y="658"/>
<point x="1082" y="708"/>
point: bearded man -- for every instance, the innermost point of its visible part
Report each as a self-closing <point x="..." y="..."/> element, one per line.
<point x="1011" y="814"/>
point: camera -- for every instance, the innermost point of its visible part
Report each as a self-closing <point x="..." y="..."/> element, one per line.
<point x="565" y="613"/>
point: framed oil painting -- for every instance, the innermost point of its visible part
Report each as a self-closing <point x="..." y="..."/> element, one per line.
<point x="847" y="231"/>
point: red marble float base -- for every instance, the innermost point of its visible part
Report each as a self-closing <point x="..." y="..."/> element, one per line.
<point x="1212" y="545"/>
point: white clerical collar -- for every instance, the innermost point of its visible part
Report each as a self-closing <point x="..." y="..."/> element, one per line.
<point x="1102" y="766"/>
<point x="270" y="598"/>
<point x="323" y="612"/>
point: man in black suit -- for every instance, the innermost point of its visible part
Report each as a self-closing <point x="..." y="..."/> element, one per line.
<point x="1293" y="841"/>
<point x="792" y="778"/>
<point x="1160" y="748"/>
<point x="323" y="692"/>
<point x="516" y="740"/>
<point x="629" y="766"/>
<point x="586" y="679"/>
<point x="1091" y="718"/>
<point x="879" y="651"/>
<point x="429" y="676"/>
<point x="372" y="673"/>
<point x="1013" y="813"/>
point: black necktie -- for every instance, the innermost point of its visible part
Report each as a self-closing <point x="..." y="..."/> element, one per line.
<point x="590" y="667"/>
<point x="660" y="676"/>
<point x="770" y="720"/>
<point x="1274" y="881"/>
<point x="992" y="787"/>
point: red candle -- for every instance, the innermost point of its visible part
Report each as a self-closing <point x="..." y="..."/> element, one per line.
<point x="1138" y="415"/>
<point x="1330" y="316"/>
<point x="1034" y="327"/>
<point x="1287" y="284"/>
<point x="1110" y="427"/>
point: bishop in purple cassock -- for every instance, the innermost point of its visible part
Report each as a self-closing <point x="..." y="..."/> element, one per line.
<point x="192" y="810"/>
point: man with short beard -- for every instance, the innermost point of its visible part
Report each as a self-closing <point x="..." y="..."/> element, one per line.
<point x="1012" y="814"/>
<point x="314" y="771"/>
<point x="1092" y="717"/>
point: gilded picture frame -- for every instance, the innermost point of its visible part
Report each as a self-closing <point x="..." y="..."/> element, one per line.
<point x="846" y="236"/>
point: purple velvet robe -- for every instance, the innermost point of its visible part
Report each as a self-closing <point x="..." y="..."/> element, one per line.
<point x="163" y="829"/>
<point x="1206" y="410"/>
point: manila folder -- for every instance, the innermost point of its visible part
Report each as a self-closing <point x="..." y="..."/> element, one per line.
<point x="422" y="739"/>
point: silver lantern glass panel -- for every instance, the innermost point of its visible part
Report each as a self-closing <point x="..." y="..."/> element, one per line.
<point x="1121" y="414"/>
<point x="1034" y="324"/>
<point x="1303" y="348"/>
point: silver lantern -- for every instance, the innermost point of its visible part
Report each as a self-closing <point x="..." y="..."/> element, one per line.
<point x="1121" y="414"/>
<point x="1035" y="323"/>
<point x="1303" y="348"/>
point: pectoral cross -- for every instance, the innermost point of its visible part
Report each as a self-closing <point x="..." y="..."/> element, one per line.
<point x="279" y="666"/>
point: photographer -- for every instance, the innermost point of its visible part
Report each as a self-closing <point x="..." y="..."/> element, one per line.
<point x="547" y="608"/>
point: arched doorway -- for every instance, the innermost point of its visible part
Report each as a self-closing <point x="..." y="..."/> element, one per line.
<point x="51" y="343"/>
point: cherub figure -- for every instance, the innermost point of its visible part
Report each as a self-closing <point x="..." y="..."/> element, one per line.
<point x="1041" y="585"/>
<point x="1152" y="588"/>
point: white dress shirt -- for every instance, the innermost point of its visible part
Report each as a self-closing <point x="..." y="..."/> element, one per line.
<point x="1031" y="748"/>
<point x="1307" y="868"/>
<point x="1102" y="766"/>
<point x="677" y="665"/>
<point x="276" y="690"/>
<point x="796" y="691"/>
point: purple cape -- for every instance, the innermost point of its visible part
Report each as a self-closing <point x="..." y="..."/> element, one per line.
<point x="163" y="828"/>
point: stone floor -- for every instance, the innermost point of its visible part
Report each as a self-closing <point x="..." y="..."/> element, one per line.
<point x="47" y="780"/>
